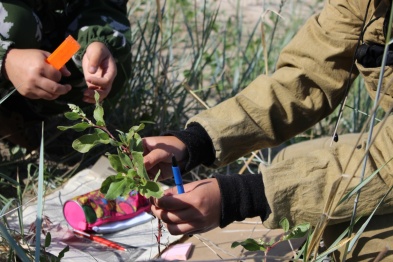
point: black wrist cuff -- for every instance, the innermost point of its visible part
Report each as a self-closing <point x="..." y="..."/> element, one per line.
<point x="199" y="145"/>
<point x="242" y="196"/>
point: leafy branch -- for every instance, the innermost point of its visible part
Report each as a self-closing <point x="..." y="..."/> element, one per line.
<point x="128" y="162"/>
<point x="297" y="231"/>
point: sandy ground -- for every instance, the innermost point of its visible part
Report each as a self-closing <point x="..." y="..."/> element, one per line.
<point x="252" y="10"/>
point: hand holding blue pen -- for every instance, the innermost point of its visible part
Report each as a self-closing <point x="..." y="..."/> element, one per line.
<point x="177" y="176"/>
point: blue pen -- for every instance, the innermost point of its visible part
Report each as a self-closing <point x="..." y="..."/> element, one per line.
<point x="177" y="176"/>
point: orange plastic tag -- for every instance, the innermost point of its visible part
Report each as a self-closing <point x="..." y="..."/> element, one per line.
<point x="63" y="53"/>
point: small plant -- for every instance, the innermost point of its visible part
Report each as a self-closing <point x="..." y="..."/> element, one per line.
<point x="298" y="231"/>
<point x="128" y="162"/>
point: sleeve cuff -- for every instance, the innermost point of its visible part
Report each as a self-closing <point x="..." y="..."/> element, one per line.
<point x="242" y="196"/>
<point x="5" y="47"/>
<point x="198" y="143"/>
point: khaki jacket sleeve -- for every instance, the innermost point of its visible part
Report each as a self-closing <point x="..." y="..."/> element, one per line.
<point x="298" y="188"/>
<point x="307" y="86"/>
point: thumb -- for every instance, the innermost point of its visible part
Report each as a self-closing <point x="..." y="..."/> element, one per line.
<point x="94" y="61"/>
<point x="94" y="57"/>
<point x="154" y="157"/>
<point x="64" y="71"/>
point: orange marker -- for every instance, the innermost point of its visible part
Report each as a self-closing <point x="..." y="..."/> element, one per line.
<point x="63" y="53"/>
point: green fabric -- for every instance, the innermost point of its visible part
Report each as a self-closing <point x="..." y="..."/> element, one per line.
<point x="45" y="24"/>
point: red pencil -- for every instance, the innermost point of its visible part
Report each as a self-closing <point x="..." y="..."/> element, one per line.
<point x="100" y="240"/>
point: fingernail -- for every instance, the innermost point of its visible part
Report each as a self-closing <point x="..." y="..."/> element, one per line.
<point x="92" y="69"/>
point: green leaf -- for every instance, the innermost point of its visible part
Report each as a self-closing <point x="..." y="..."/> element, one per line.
<point x="72" y="115"/>
<point x="125" y="159"/>
<point x="127" y="190"/>
<point x="138" y="146"/>
<point x="76" y="109"/>
<point x="77" y="127"/>
<point x="61" y="253"/>
<point x="123" y="138"/>
<point x="115" y="143"/>
<point x="48" y="239"/>
<point x="106" y="184"/>
<point x="116" y="164"/>
<point x="134" y="183"/>
<point x="136" y="129"/>
<point x="40" y="197"/>
<point x="133" y="138"/>
<point x="129" y="140"/>
<point x="284" y="223"/>
<point x="6" y="206"/>
<point x="337" y="243"/>
<point x="99" y="116"/>
<point x="97" y="97"/>
<point x="187" y="73"/>
<point x="117" y="189"/>
<point x="151" y="189"/>
<point x="363" y="183"/>
<point x="249" y="244"/>
<point x="363" y="227"/>
<point x="87" y="142"/>
<point x="98" y="111"/>
<point x="132" y="174"/>
<point x="148" y="122"/>
<point x="303" y="251"/>
<point x="9" y="179"/>
<point x="298" y="231"/>
<point x="137" y="160"/>
<point x="130" y="134"/>
<point x="103" y="135"/>
<point x="21" y="253"/>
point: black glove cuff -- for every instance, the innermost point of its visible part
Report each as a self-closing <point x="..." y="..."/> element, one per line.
<point x="199" y="145"/>
<point x="242" y="196"/>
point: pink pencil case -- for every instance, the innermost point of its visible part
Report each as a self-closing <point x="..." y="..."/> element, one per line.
<point x="93" y="209"/>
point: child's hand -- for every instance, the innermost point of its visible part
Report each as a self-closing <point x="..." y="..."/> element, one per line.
<point x="158" y="151"/>
<point x="32" y="76"/>
<point x="197" y="210"/>
<point x="100" y="70"/>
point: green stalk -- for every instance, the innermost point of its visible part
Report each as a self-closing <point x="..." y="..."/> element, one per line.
<point x="40" y="198"/>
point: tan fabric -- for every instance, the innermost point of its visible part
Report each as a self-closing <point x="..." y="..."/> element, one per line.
<point x="379" y="232"/>
<point x="298" y="187"/>
<point x="309" y="83"/>
<point x="376" y="241"/>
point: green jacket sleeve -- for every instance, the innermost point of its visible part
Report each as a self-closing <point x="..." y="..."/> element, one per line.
<point x="307" y="86"/>
<point x="110" y="27"/>
<point x="4" y="46"/>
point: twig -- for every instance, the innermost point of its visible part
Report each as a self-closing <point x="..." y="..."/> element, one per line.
<point x="195" y="95"/>
<point x="381" y="254"/>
